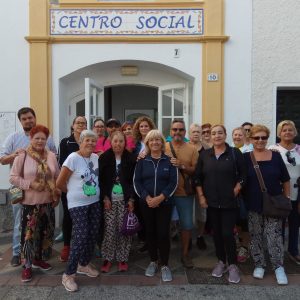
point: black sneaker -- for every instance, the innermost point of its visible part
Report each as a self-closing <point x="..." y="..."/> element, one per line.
<point x="15" y="261"/>
<point x="201" y="243"/>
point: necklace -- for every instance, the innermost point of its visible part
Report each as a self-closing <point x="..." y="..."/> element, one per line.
<point x="86" y="160"/>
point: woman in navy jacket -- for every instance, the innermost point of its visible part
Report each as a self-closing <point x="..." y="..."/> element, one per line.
<point x="155" y="181"/>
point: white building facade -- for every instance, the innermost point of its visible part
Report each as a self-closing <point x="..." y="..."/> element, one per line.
<point x="217" y="61"/>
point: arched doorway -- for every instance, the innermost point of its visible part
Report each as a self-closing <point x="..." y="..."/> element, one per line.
<point x="159" y="91"/>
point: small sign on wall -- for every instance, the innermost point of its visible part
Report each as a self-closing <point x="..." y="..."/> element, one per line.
<point x="212" y="77"/>
<point x="7" y="125"/>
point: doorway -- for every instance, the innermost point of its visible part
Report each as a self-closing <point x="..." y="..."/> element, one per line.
<point x="128" y="102"/>
<point x="288" y="107"/>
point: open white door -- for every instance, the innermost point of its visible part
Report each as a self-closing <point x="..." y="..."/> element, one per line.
<point x="94" y="101"/>
<point x="172" y="103"/>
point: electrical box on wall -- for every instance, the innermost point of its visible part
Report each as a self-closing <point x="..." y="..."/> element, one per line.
<point x="3" y="198"/>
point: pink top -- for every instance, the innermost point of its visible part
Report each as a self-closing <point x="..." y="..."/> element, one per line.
<point x="130" y="144"/>
<point x="32" y="197"/>
<point x="103" y="145"/>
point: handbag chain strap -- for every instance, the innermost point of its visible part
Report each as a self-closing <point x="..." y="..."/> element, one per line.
<point x="175" y="156"/>
<point x="258" y="173"/>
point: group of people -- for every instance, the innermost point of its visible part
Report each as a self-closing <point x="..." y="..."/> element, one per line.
<point x="103" y="173"/>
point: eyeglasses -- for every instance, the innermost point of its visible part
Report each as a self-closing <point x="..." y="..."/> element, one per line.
<point x="290" y="158"/>
<point x="247" y="129"/>
<point x="205" y="131"/>
<point x="178" y="129"/>
<point x="256" y="138"/>
<point x="81" y="123"/>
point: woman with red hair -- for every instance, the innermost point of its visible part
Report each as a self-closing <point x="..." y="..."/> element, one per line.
<point x="37" y="179"/>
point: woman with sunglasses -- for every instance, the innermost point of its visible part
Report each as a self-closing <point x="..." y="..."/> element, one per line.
<point x="264" y="229"/>
<point x="290" y="153"/>
<point x="206" y="134"/>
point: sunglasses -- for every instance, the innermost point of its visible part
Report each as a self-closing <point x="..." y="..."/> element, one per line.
<point x="290" y="158"/>
<point x="256" y="138"/>
<point x="178" y="129"/>
<point x="205" y="131"/>
<point x="247" y="129"/>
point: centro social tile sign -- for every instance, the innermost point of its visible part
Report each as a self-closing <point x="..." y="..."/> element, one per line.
<point x="126" y="22"/>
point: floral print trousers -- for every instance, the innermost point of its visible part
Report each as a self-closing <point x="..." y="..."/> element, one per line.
<point x="265" y="233"/>
<point x="37" y="230"/>
<point x="115" y="245"/>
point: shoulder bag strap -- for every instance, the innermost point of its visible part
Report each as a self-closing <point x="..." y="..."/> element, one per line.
<point x="22" y="170"/>
<point x="172" y="149"/>
<point x="258" y="172"/>
<point x="174" y="154"/>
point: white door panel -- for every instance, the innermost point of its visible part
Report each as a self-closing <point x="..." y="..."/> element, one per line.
<point x="94" y="101"/>
<point x="172" y="103"/>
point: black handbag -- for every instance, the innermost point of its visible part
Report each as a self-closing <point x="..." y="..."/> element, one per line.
<point x="273" y="206"/>
<point x="188" y="182"/>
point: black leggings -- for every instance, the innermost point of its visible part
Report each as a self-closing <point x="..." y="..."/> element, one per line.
<point x="222" y="223"/>
<point x="157" y="227"/>
<point x="67" y="221"/>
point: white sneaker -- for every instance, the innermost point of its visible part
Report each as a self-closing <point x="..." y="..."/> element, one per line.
<point x="166" y="274"/>
<point x="259" y="273"/>
<point x="151" y="269"/>
<point x="69" y="283"/>
<point x="281" y="276"/>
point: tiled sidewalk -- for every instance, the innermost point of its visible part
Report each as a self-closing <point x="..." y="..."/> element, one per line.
<point x="203" y="260"/>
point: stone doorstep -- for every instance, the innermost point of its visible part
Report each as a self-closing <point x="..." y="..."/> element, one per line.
<point x="10" y="276"/>
<point x="131" y="280"/>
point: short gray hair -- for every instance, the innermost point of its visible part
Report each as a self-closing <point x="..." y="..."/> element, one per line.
<point x="195" y="125"/>
<point x="87" y="133"/>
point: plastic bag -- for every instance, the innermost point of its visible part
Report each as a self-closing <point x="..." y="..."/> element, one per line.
<point x="131" y="224"/>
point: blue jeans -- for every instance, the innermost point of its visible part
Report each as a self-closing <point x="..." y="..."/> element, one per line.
<point x="17" y="213"/>
<point x="184" y="206"/>
<point x="294" y="223"/>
